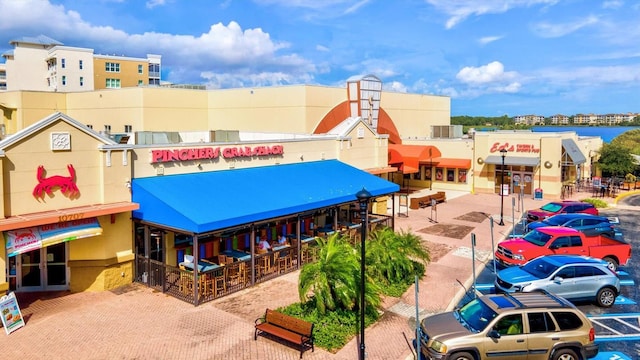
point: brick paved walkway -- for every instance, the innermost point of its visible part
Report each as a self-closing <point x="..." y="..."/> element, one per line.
<point x="136" y="322"/>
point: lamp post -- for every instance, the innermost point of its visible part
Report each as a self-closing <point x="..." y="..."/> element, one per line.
<point x="431" y="166"/>
<point x="503" y="153"/>
<point x="363" y="197"/>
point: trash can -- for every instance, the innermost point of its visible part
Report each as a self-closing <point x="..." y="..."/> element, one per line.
<point x="537" y="194"/>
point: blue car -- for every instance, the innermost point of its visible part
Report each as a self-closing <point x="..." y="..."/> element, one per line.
<point x="585" y="223"/>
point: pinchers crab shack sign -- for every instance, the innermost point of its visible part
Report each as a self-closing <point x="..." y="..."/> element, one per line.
<point x="211" y="153"/>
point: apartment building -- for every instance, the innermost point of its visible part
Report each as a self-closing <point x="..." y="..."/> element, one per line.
<point x="559" y="119"/>
<point x="529" y="119"/>
<point x="578" y="119"/>
<point x="44" y="64"/>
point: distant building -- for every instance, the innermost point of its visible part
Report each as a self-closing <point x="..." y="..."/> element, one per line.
<point x="559" y="119"/>
<point x="44" y="64"/>
<point x="529" y="119"/>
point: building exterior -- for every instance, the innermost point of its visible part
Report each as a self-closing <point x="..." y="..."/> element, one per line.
<point x="65" y="209"/>
<point x="44" y="64"/>
<point x="242" y="165"/>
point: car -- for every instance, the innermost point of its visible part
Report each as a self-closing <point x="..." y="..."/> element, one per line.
<point x="561" y="207"/>
<point x="585" y="223"/>
<point x="574" y="277"/>
<point x="534" y="326"/>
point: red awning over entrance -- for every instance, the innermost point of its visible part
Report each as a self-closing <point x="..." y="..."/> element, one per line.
<point x="410" y="156"/>
<point x="453" y="163"/>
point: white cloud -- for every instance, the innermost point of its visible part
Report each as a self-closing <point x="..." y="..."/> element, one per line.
<point x="322" y="48"/>
<point x="554" y="30"/>
<point x="153" y="3"/>
<point x="489" y="39"/>
<point x="612" y="4"/>
<point x="490" y="73"/>
<point x="460" y="10"/>
<point x="224" y="48"/>
<point x="395" y="86"/>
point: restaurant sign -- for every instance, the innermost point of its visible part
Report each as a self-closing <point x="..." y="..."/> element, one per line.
<point x="204" y="153"/>
<point x="26" y="239"/>
<point x="11" y="315"/>
<point x="521" y="148"/>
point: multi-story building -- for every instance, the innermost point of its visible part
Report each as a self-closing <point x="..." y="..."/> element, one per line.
<point x="559" y="119"/>
<point x="529" y="119"/>
<point x="44" y="64"/>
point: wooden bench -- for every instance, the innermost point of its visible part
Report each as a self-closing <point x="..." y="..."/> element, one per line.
<point x="425" y="201"/>
<point x="286" y="327"/>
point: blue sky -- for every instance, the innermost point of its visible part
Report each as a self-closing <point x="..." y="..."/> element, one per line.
<point x="492" y="57"/>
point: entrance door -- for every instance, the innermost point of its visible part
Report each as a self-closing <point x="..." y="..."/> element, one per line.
<point x="43" y="269"/>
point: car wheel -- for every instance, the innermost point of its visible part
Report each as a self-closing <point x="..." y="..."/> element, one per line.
<point x="565" y="354"/>
<point x="611" y="263"/>
<point x="606" y="297"/>
<point x="462" y="356"/>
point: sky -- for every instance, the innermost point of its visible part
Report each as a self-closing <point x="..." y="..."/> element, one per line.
<point x="491" y="57"/>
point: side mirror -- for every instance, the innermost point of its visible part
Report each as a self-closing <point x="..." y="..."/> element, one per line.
<point x="557" y="279"/>
<point x="553" y="247"/>
<point x="494" y="334"/>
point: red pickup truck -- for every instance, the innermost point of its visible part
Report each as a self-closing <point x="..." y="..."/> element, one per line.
<point x="562" y="240"/>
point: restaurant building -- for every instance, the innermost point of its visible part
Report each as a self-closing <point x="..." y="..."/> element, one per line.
<point x="66" y="209"/>
<point x="286" y="164"/>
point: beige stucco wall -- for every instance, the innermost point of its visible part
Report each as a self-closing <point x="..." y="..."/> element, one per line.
<point x="93" y="179"/>
<point x="414" y="114"/>
<point x="101" y="175"/>
<point x="547" y="149"/>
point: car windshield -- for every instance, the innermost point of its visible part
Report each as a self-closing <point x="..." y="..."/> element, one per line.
<point x="536" y="237"/>
<point x="552" y="207"/>
<point x="476" y="315"/>
<point x="539" y="268"/>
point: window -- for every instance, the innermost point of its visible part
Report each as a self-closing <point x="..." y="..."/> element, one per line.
<point x="81" y="81"/>
<point x="427" y="173"/>
<point x="462" y="176"/>
<point x="113" y="83"/>
<point x="540" y="322"/>
<point x="64" y="80"/>
<point x="140" y="69"/>
<point x="451" y="175"/>
<point x="90" y="126"/>
<point x="140" y="82"/>
<point x="80" y="65"/>
<point x="128" y="128"/>
<point x="567" y="273"/>
<point x="107" y="128"/>
<point x="509" y="325"/>
<point x="112" y="67"/>
<point x="567" y="320"/>
<point x="584" y="271"/>
<point x="439" y="174"/>
<point x="63" y="63"/>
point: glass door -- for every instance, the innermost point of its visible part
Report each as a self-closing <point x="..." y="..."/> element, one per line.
<point x="43" y="269"/>
<point x="56" y="267"/>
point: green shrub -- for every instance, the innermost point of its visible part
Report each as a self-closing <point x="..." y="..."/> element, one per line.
<point x="596" y="202"/>
<point x="334" y="329"/>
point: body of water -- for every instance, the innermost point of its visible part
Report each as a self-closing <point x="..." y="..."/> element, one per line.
<point x="607" y="133"/>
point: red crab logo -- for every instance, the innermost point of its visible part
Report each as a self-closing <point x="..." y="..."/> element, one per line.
<point x="67" y="184"/>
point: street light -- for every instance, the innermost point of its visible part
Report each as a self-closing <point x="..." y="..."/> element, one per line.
<point x="363" y="198"/>
<point x="503" y="153"/>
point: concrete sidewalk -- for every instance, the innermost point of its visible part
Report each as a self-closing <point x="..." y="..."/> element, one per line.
<point x="136" y="322"/>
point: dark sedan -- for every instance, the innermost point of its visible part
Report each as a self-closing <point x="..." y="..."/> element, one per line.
<point x="585" y="223"/>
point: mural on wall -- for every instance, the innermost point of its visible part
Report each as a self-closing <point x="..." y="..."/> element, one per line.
<point x="66" y="184"/>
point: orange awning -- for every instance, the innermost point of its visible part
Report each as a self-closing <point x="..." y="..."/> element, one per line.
<point x="410" y="156"/>
<point x="453" y="163"/>
<point x="55" y="216"/>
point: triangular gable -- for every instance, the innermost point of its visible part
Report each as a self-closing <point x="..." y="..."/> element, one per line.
<point x="48" y="121"/>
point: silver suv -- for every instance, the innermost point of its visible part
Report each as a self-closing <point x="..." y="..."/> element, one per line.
<point x="532" y="326"/>
<point x="573" y="277"/>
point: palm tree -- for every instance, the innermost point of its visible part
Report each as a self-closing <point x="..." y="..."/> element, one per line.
<point x="334" y="280"/>
<point x="391" y="255"/>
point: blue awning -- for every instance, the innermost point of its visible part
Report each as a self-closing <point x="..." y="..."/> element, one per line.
<point x="209" y="201"/>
